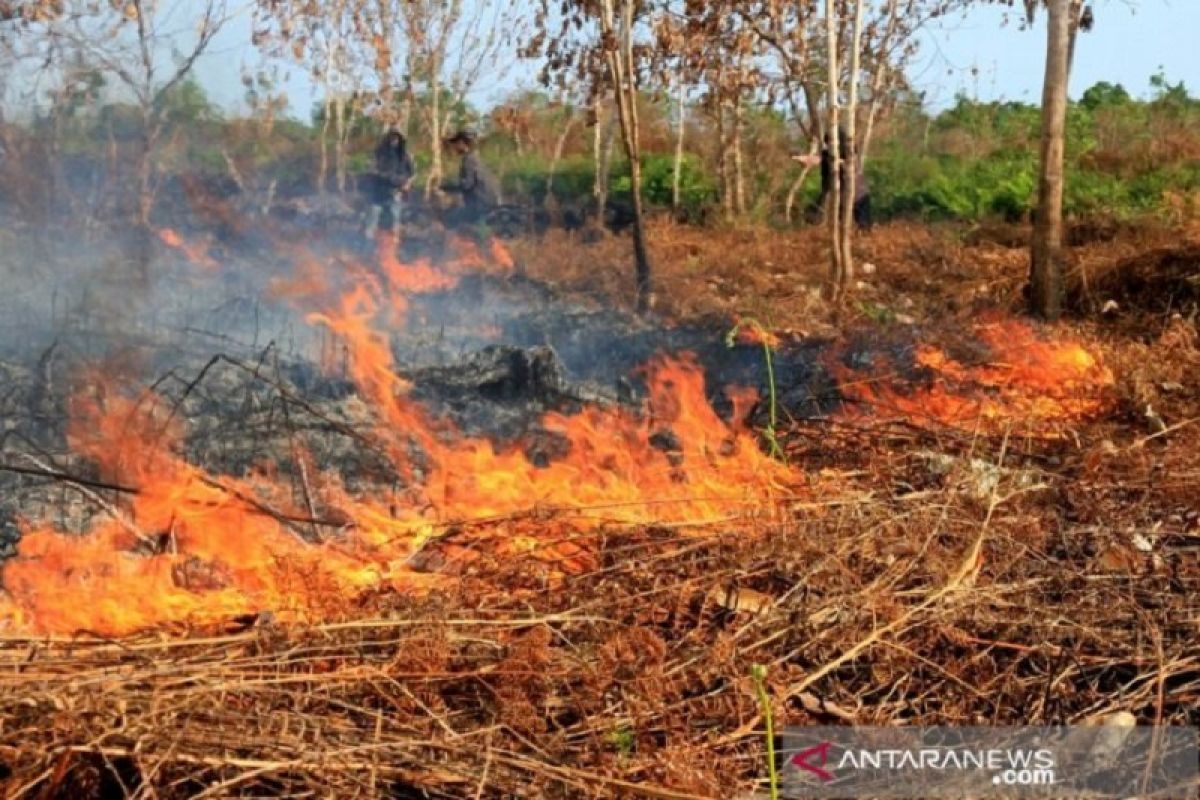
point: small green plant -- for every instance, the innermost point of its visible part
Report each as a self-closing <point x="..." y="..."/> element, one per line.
<point x="881" y="315"/>
<point x="770" y="432"/>
<point x="623" y="741"/>
<point x="759" y="673"/>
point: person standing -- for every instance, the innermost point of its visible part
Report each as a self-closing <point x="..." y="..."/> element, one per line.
<point x="389" y="183"/>
<point x="476" y="184"/>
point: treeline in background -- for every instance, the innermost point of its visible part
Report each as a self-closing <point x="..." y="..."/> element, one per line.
<point x="1127" y="157"/>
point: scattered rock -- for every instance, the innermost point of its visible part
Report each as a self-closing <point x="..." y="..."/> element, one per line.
<point x="1157" y="425"/>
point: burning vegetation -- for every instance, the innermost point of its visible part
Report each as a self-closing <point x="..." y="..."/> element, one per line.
<point x="418" y="523"/>
<point x="194" y="547"/>
<point x="331" y="468"/>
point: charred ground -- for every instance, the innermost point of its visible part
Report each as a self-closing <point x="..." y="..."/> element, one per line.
<point x="919" y="569"/>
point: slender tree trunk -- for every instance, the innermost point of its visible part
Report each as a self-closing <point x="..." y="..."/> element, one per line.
<point x="597" y="154"/>
<point x="435" y="128"/>
<point x="560" y="144"/>
<point x="798" y="184"/>
<point x="323" y="168"/>
<point x="739" y="172"/>
<point x="620" y="64"/>
<point x="1045" y="278"/>
<point x="606" y="159"/>
<point x="680" y="128"/>
<point x="339" y="132"/>
<point x="850" y="159"/>
<point x="833" y="216"/>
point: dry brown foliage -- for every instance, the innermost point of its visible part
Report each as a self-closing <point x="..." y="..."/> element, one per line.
<point x="922" y="576"/>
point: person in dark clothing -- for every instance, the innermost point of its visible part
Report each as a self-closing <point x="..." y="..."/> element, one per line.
<point x="478" y="186"/>
<point x="862" y="189"/>
<point x="391" y="180"/>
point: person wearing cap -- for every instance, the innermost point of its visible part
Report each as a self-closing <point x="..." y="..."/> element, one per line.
<point x="391" y="180"/>
<point x="478" y="186"/>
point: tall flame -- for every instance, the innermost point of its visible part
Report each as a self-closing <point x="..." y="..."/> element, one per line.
<point x="195" y="548"/>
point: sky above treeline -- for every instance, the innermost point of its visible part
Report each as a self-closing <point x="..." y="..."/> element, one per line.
<point x="976" y="54"/>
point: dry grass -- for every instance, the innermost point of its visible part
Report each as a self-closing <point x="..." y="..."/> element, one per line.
<point x="918" y="576"/>
<point x="891" y="593"/>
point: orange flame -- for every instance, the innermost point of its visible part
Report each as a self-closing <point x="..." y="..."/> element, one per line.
<point x="1028" y="381"/>
<point x="195" y="548"/>
<point x="195" y="252"/>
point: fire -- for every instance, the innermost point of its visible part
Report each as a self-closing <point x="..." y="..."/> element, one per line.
<point x="413" y="278"/>
<point x="187" y="547"/>
<point x="195" y="252"/>
<point x="193" y="548"/>
<point x="467" y="256"/>
<point x="1028" y="381"/>
<point x="751" y="332"/>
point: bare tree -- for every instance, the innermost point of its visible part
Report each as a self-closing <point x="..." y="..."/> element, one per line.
<point x="144" y="51"/>
<point x="452" y="47"/>
<point x="722" y="54"/>
<point x="843" y="264"/>
<point x="836" y="65"/>
<point x="594" y="43"/>
<point x="141" y="46"/>
<point x="327" y="41"/>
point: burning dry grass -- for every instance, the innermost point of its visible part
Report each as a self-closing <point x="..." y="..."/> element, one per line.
<point x="885" y="605"/>
<point x="592" y="623"/>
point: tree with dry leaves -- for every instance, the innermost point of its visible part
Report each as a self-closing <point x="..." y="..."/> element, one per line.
<point x="836" y="65"/>
<point x="144" y="50"/>
<point x="603" y="46"/>
<point x="401" y="61"/>
<point x="327" y="40"/>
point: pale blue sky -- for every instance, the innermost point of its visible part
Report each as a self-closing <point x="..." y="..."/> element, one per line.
<point x="1130" y="42"/>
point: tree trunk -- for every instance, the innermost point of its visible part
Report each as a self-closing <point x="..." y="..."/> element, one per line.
<point x="1045" y="278"/>
<point x="850" y="159"/>
<point x="560" y="144"/>
<point x="739" y="172"/>
<point x="435" y="129"/>
<point x="790" y="206"/>
<point x="680" y="128"/>
<point x="620" y="65"/>
<point x="597" y="154"/>
<point x="339" y="132"/>
<point x="833" y="215"/>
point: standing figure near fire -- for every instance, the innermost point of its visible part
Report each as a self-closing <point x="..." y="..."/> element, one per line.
<point x="478" y="186"/>
<point x="389" y="183"/>
<point x="862" y="189"/>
